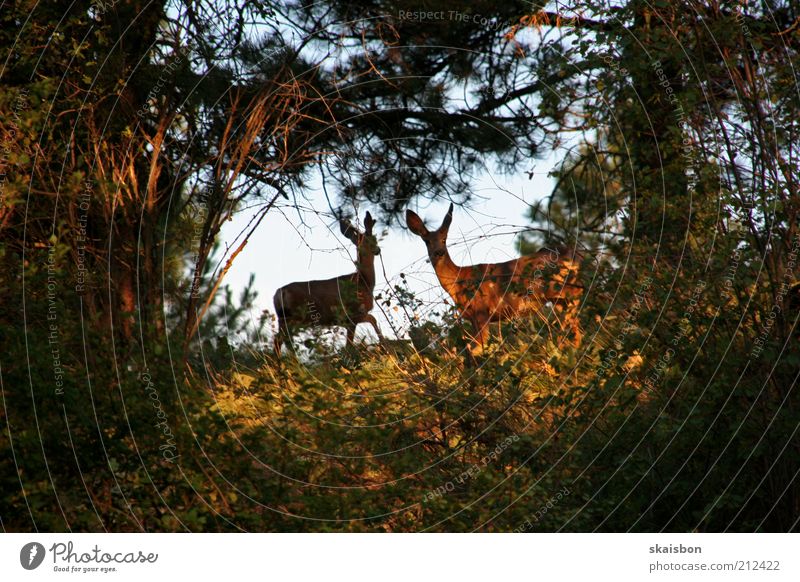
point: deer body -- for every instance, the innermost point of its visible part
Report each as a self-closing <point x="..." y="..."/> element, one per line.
<point x="490" y="292"/>
<point x="341" y="301"/>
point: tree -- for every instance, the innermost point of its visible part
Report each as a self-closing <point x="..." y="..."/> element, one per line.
<point x="131" y="131"/>
<point x="586" y="208"/>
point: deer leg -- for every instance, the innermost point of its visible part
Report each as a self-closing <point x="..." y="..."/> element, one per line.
<point x="575" y="323"/>
<point x="480" y="336"/>
<point x="567" y="316"/>
<point x="278" y="339"/>
<point x="369" y="318"/>
<point x="351" y="333"/>
<point x="560" y="317"/>
<point x="290" y="342"/>
<point x="284" y="335"/>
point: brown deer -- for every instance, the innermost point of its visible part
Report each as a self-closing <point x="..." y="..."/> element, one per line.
<point x="342" y="301"/>
<point x="501" y="291"/>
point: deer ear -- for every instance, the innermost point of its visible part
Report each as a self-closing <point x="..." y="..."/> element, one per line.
<point x="369" y="222"/>
<point x="347" y="229"/>
<point x="448" y="218"/>
<point x="415" y="223"/>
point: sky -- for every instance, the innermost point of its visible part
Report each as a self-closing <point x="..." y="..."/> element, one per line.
<point x="286" y="249"/>
<point x="300" y="245"/>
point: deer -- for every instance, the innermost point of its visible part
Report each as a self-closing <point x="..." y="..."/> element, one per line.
<point x="494" y="292"/>
<point x="341" y="301"/>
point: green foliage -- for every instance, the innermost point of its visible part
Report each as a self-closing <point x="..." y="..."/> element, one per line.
<point x="389" y="439"/>
<point x="678" y="410"/>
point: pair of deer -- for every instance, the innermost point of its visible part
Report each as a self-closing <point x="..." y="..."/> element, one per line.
<point x="483" y="293"/>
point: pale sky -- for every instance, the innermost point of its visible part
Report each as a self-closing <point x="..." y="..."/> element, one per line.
<point x="283" y="250"/>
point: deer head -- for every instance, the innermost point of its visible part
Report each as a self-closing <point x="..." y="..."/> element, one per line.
<point x="499" y="291"/>
<point x="365" y="242"/>
<point x="435" y="240"/>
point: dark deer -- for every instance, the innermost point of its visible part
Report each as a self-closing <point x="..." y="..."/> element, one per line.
<point x="501" y="291"/>
<point x="342" y="301"/>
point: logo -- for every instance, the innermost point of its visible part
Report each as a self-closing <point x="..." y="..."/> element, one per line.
<point x="31" y="555"/>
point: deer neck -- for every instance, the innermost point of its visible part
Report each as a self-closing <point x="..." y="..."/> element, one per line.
<point x="366" y="269"/>
<point x="448" y="273"/>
